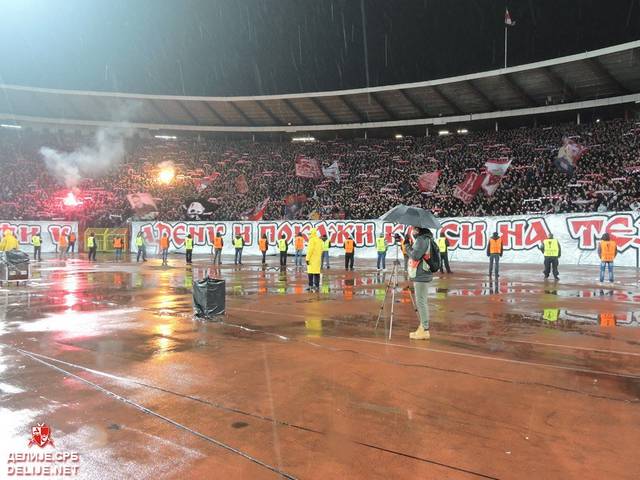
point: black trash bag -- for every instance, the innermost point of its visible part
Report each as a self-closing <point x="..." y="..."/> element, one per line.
<point x="15" y="257"/>
<point x="208" y="297"/>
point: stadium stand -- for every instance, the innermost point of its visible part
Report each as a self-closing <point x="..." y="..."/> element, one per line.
<point x="374" y="175"/>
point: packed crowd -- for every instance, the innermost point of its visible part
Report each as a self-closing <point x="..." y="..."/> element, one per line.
<point x="374" y="176"/>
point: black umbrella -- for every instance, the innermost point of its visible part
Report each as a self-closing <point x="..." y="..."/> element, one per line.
<point x="414" y="216"/>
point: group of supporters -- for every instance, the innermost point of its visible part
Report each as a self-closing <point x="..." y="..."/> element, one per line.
<point x="375" y="175"/>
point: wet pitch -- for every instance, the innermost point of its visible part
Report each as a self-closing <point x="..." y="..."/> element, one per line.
<point x="521" y="379"/>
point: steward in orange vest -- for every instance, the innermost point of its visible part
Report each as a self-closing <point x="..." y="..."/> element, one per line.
<point x="608" y="249"/>
<point x="218" y="243"/>
<point x="263" y="245"/>
<point x="299" y="246"/>
<point x="494" y="252"/>
<point x="349" y="252"/>
<point x="164" y="248"/>
<point x="117" y="246"/>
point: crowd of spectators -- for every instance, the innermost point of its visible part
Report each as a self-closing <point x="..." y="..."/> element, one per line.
<point x="375" y="175"/>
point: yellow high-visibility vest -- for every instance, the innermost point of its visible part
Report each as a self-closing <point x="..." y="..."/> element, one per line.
<point x="326" y="244"/>
<point x="442" y="244"/>
<point x="282" y="245"/>
<point x="550" y="314"/>
<point x="91" y="242"/>
<point x="381" y="245"/>
<point x="35" y="241"/>
<point x="139" y="241"/>
<point x="188" y="243"/>
<point x="551" y="247"/>
<point x="238" y="243"/>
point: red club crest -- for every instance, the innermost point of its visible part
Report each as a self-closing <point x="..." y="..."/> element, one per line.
<point x="41" y="435"/>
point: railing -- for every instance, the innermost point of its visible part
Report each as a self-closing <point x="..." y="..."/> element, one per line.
<point x="104" y="238"/>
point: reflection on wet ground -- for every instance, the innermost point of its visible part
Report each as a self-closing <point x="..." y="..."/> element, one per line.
<point x="306" y="385"/>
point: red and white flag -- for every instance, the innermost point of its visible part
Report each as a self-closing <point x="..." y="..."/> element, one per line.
<point x="308" y="167"/>
<point x="490" y="184"/>
<point x="467" y="190"/>
<point x="256" y="213"/>
<point x="498" y="166"/>
<point x="507" y="19"/>
<point x="427" y="182"/>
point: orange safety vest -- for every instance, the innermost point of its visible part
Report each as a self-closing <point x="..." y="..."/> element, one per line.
<point x="495" y="245"/>
<point x="607" y="250"/>
<point x="164" y="242"/>
<point x="607" y="320"/>
<point x="63" y="241"/>
<point x="348" y="245"/>
<point x="217" y="242"/>
<point x="117" y="243"/>
<point x="72" y="237"/>
<point x="403" y="247"/>
<point x="299" y="243"/>
<point x="263" y="244"/>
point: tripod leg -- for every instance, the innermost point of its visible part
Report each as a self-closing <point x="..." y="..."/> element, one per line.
<point x="393" y="301"/>
<point x="384" y="300"/>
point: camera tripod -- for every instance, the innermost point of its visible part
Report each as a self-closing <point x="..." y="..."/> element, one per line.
<point x="392" y="285"/>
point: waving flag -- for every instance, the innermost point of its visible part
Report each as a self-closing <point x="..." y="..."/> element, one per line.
<point x="498" y="166"/>
<point x="332" y="171"/>
<point x="568" y="155"/>
<point x="257" y="213"/>
<point x="507" y="19"/>
<point x="490" y="184"/>
<point x="427" y="182"/>
<point x="307" y="167"/>
<point x="467" y="190"/>
<point x="293" y="205"/>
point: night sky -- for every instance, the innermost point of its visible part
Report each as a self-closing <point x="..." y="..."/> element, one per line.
<point x="246" y="47"/>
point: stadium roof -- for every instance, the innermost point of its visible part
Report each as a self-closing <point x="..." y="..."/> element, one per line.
<point x="602" y="77"/>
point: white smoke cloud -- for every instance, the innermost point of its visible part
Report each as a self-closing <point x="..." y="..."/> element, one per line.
<point x="106" y="152"/>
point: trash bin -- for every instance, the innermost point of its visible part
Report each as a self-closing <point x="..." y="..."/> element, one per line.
<point x="208" y="297"/>
<point x="14" y="266"/>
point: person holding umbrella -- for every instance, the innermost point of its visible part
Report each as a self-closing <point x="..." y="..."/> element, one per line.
<point x="422" y="249"/>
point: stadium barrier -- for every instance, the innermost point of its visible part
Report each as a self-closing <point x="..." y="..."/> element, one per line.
<point x="49" y="233"/>
<point x="104" y="238"/>
<point x="578" y="235"/>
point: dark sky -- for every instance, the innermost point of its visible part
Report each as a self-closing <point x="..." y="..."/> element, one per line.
<point x="245" y="47"/>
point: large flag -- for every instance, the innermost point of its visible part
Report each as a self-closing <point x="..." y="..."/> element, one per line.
<point x="257" y="213"/>
<point x="568" y="155"/>
<point x="427" y="182"/>
<point x="490" y="184"/>
<point x="143" y="206"/>
<point x="198" y="208"/>
<point x="467" y="190"/>
<point x="498" y="166"/>
<point x="332" y="171"/>
<point x="307" y="167"/>
<point x="508" y="21"/>
<point x="293" y="205"/>
<point x="241" y="184"/>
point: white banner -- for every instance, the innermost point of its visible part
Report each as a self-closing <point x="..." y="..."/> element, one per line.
<point x="49" y="232"/>
<point x="578" y="235"/>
